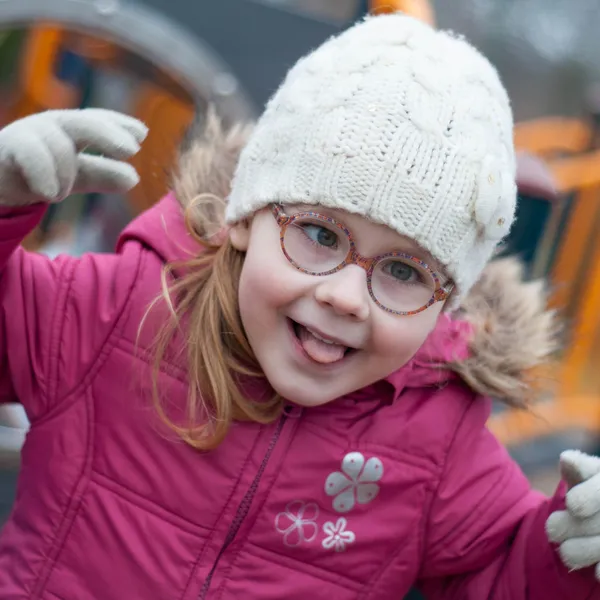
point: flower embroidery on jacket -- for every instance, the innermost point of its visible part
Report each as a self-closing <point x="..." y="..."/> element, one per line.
<point x="297" y="523"/>
<point x="355" y="483"/>
<point x="337" y="536"/>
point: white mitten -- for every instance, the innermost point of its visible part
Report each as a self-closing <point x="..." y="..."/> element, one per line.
<point x="42" y="157"/>
<point x="577" y="529"/>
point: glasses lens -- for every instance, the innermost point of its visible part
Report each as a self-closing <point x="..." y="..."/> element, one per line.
<point x="401" y="284"/>
<point x="315" y="244"/>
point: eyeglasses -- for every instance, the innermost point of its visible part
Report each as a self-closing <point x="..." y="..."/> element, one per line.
<point x="398" y="283"/>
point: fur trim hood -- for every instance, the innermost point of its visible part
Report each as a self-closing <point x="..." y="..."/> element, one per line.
<point x="512" y="332"/>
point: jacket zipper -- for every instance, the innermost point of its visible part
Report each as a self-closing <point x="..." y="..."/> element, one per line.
<point x="244" y="506"/>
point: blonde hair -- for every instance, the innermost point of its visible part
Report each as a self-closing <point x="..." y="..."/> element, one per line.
<point x="204" y="295"/>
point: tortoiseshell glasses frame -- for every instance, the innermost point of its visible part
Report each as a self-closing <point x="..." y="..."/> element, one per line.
<point x="441" y="291"/>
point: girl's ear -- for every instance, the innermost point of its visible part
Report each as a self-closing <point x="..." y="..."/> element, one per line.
<point x="239" y="234"/>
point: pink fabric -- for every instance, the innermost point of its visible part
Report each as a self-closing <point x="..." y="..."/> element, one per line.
<point x="356" y="499"/>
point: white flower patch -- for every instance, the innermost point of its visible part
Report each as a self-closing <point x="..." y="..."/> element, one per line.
<point x="355" y="483"/>
<point x="297" y="523"/>
<point x="338" y="537"/>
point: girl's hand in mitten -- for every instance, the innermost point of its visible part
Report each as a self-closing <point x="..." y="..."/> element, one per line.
<point x="43" y="159"/>
<point x="577" y="529"/>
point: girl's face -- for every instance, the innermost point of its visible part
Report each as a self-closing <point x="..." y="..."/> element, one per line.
<point x="318" y="338"/>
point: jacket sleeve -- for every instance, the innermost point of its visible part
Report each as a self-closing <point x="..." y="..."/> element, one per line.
<point x="486" y="535"/>
<point x="55" y="315"/>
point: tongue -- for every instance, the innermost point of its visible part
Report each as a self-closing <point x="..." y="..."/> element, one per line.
<point x="318" y="350"/>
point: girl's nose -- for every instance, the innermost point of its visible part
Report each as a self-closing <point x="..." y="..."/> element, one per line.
<point x="346" y="292"/>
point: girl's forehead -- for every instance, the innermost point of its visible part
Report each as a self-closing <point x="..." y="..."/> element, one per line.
<point x="371" y="238"/>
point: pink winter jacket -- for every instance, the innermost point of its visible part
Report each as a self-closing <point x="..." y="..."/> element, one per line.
<point x="397" y="483"/>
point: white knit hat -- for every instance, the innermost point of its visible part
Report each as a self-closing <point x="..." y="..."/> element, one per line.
<point x="393" y="120"/>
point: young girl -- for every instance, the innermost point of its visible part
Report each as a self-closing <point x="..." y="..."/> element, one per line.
<point x="292" y="405"/>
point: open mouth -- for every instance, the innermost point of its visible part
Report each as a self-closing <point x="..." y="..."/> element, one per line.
<point x="319" y="348"/>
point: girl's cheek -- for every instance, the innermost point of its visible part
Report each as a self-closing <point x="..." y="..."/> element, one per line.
<point x="404" y="335"/>
<point x="263" y="283"/>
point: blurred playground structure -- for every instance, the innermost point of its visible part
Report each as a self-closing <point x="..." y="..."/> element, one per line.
<point x="138" y="57"/>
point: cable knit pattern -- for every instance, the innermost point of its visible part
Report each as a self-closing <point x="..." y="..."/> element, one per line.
<point x="405" y="125"/>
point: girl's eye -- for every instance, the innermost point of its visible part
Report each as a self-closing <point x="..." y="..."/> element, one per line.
<point x="320" y="235"/>
<point x="402" y="271"/>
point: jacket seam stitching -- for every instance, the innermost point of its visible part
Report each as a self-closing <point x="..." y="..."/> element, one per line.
<point x="427" y="514"/>
<point x="48" y="392"/>
<point x="113" y="336"/>
<point x="144" y="355"/>
<point x="287" y="561"/>
<point x="370" y="588"/>
<point x="58" y="318"/>
<point x="72" y="509"/>
<point x="114" y="487"/>
<point x="112" y="339"/>
<point x="388" y="451"/>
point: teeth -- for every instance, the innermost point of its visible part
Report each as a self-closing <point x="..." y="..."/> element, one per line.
<point x="322" y="339"/>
